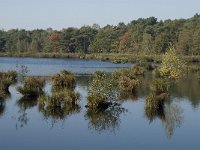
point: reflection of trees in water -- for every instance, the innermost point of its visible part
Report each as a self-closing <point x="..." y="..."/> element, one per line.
<point x="83" y="80"/>
<point x="24" y="103"/>
<point x="56" y="113"/>
<point x="105" y="120"/>
<point x="2" y="107"/>
<point x="173" y="118"/>
<point x="188" y="87"/>
<point x="127" y="96"/>
<point x="170" y="115"/>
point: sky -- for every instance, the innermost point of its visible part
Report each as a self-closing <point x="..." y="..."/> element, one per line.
<point x="58" y="14"/>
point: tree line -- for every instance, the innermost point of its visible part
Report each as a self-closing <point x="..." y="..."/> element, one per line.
<point x="141" y="36"/>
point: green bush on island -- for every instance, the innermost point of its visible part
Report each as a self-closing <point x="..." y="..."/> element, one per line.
<point x="172" y="65"/>
<point x="102" y="90"/>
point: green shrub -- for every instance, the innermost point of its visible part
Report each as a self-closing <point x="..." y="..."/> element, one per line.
<point x="97" y="101"/>
<point x="172" y="65"/>
<point x="102" y="90"/>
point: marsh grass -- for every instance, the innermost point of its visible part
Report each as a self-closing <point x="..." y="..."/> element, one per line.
<point x="59" y="98"/>
<point x="7" y="78"/>
<point x="160" y="85"/>
<point x="126" y="84"/>
<point x="32" y="87"/>
<point x="65" y="79"/>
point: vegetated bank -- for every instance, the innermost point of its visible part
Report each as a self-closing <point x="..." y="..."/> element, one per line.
<point x="144" y="38"/>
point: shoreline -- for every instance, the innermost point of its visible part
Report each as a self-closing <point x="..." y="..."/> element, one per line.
<point x="112" y="57"/>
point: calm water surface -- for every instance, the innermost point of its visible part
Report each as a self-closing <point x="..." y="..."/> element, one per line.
<point x="24" y="127"/>
<point x="50" y="66"/>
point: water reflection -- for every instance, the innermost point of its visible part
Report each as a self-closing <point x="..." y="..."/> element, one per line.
<point x="173" y="118"/>
<point x="58" y="113"/>
<point x="24" y="104"/>
<point x="105" y="120"/>
<point x="127" y="96"/>
<point x="2" y="107"/>
<point x="188" y="87"/>
<point x="154" y="108"/>
<point x="159" y="104"/>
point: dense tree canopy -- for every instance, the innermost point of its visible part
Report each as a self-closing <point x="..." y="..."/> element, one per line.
<point x="146" y="36"/>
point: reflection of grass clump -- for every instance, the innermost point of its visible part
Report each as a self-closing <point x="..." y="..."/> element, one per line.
<point x="154" y="106"/>
<point x="32" y="86"/>
<point x="64" y="79"/>
<point x="105" y="120"/>
<point x="26" y="102"/>
<point x="59" y="104"/>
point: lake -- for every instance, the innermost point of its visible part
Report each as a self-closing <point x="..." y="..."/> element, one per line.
<point x="49" y="66"/>
<point x="23" y="126"/>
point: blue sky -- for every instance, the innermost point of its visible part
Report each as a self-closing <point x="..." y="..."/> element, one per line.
<point x="58" y="14"/>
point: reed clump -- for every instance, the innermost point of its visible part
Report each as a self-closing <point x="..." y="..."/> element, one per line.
<point x="7" y="78"/>
<point x="60" y="104"/>
<point x="32" y="87"/>
<point x="65" y="79"/>
<point x="126" y="84"/>
<point x="59" y="98"/>
<point x="160" y="85"/>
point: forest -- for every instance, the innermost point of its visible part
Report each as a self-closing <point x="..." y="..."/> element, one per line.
<point x="141" y="36"/>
